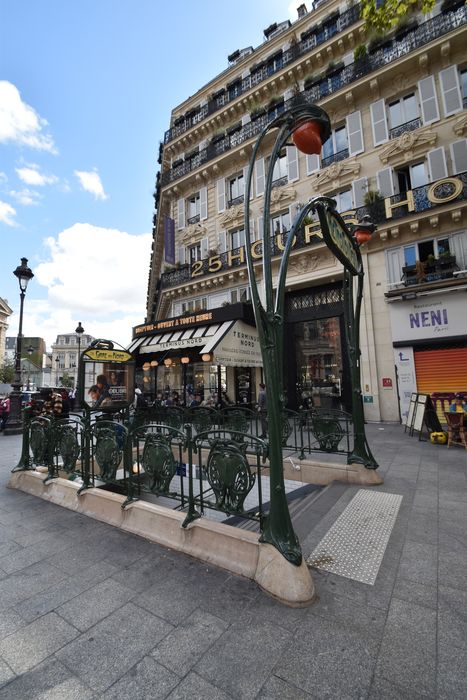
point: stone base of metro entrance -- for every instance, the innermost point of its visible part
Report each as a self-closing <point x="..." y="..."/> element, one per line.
<point x="230" y="548"/>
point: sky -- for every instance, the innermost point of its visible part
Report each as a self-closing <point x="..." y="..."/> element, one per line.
<point x="86" y="92"/>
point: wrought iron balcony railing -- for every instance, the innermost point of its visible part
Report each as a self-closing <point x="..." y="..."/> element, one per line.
<point x="235" y="201"/>
<point x="396" y="131"/>
<point x="193" y="219"/>
<point x="426" y="32"/>
<point x="335" y="157"/>
<point x="347" y="18"/>
<point x="422" y="197"/>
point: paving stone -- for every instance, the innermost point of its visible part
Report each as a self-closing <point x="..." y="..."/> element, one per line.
<point x="277" y="689"/>
<point x="414" y="592"/>
<point x="419" y="562"/>
<point x="452" y="676"/>
<point x="104" y="653"/>
<point x="6" y="674"/>
<point x="360" y="619"/>
<point x="453" y="570"/>
<point x="147" y="679"/>
<point x="94" y="604"/>
<point x="183" y="647"/>
<point x="143" y="573"/>
<point x="30" y="555"/>
<point x="24" y="583"/>
<point x="48" y="681"/>
<point x="33" y="643"/>
<point x="243" y="657"/>
<point x="10" y="621"/>
<point x="382" y="689"/>
<point x="193" y="687"/>
<point x="407" y="655"/>
<point x="339" y="663"/>
<point x="452" y="617"/>
<point x="65" y="589"/>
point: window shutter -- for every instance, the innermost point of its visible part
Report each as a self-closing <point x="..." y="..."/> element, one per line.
<point x="181" y="254"/>
<point x="450" y="90"/>
<point x="394" y="265"/>
<point x="292" y="163"/>
<point x="385" y="182"/>
<point x="203" y="203"/>
<point x="378" y="122"/>
<point x="181" y="213"/>
<point x="222" y="242"/>
<point x="355" y="133"/>
<point x="259" y="176"/>
<point x="458" y="245"/>
<point x="312" y="164"/>
<point x="220" y="186"/>
<point x="428" y="100"/>
<point x="204" y="248"/>
<point x="459" y="156"/>
<point x="437" y="164"/>
<point x="359" y="190"/>
<point x="259" y="236"/>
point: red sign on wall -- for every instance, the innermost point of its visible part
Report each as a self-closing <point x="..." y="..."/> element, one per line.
<point x="387" y="383"/>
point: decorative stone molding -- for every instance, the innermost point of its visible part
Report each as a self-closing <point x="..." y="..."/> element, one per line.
<point x="193" y="232"/>
<point x="394" y="232"/>
<point x="434" y="221"/>
<point x="303" y="263"/>
<point x="408" y="145"/>
<point x="282" y="194"/>
<point x="456" y="215"/>
<point x="337" y="174"/>
<point x="232" y="216"/>
<point x="383" y="235"/>
<point x="400" y="82"/>
<point x="460" y="126"/>
<point x="414" y="226"/>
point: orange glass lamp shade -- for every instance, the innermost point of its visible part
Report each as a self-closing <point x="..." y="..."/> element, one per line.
<point x="362" y="236"/>
<point x="307" y="137"/>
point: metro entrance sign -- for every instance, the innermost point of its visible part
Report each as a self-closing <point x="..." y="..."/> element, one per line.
<point x="336" y="234"/>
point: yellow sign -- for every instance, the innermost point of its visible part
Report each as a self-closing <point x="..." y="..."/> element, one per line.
<point x="108" y="355"/>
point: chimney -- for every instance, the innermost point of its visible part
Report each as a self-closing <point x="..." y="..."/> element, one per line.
<point x="302" y="11"/>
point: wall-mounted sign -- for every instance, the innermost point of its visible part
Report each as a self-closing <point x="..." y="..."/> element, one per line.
<point x="386" y="382"/>
<point x="428" y="317"/>
<point x="239" y="347"/>
<point x="367" y="399"/>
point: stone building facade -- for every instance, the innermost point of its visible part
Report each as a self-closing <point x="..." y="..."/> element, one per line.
<point x="398" y="152"/>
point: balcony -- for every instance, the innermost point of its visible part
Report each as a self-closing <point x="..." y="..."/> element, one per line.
<point x="396" y="131"/>
<point x="426" y="32"/>
<point x="193" y="219"/>
<point x="335" y="157"/>
<point x="236" y="201"/>
<point x="263" y="72"/>
<point x="445" y="269"/>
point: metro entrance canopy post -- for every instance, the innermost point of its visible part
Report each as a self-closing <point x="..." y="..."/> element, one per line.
<point x="309" y="127"/>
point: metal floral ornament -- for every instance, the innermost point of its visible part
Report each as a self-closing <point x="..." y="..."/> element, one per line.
<point x="309" y="128"/>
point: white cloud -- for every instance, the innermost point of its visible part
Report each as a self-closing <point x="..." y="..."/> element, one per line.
<point x="95" y="275"/>
<point x="91" y="182"/>
<point x="20" y="123"/>
<point x="25" y="196"/>
<point x="3" y="177"/>
<point x="31" y="175"/>
<point x="6" y="214"/>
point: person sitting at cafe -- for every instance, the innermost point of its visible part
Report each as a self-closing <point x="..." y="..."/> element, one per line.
<point x="458" y="404"/>
<point x="53" y="404"/>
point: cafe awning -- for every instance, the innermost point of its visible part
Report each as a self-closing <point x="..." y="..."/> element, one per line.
<point x="233" y="343"/>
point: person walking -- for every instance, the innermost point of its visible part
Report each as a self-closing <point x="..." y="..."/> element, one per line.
<point x="4" y="412"/>
<point x="263" y="410"/>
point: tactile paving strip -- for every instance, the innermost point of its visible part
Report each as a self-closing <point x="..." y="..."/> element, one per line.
<point x="354" y="546"/>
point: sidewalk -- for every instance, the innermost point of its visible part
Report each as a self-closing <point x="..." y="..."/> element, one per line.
<point x="87" y="611"/>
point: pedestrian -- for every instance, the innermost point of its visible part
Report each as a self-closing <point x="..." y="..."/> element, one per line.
<point x="458" y="405"/>
<point x="72" y="398"/>
<point x="53" y="404"/>
<point x="263" y="411"/>
<point x="139" y="401"/>
<point x="4" y="412"/>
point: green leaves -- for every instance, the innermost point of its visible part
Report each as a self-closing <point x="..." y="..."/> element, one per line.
<point x="391" y="12"/>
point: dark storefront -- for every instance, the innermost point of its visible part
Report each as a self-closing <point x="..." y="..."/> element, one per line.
<point x="316" y="371"/>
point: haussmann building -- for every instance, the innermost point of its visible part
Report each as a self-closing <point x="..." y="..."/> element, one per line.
<point x="398" y="152"/>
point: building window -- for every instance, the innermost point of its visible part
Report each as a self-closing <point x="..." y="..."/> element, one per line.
<point x="194" y="253"/>
<point x="194" y="208"/>
<point x="336" y="147"/>
<point x="237" y="238"/>
<point x="410" y="177"/>
<point x="344" y="200"/>
<point x="239" y="294"/>
<point x="274" y="64"/>
<point x="425" y="251"/>
<point x="235" y="89"/>
<point x="236" y="187"/>
<point x="280" y="223"/>
<point x="403" y="111"/>
<point x="194" y="305"/>
<point x="61" y="360"/>
<point x="463" y="77"/>
<point x="280" y="168"/>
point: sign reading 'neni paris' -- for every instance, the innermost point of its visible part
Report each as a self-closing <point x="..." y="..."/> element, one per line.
<point x="437" y="316"/>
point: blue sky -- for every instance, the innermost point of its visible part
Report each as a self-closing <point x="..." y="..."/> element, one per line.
<point x="86" y="91"/>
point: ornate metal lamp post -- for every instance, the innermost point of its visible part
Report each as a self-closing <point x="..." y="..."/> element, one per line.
<point x="309" y="127"/>
<point x="79" y="330"/>
<point x="15" y="424"/>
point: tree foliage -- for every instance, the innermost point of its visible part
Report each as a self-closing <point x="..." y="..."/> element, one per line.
<point x="7" y="372"/>
<point x="388" y="14"/>
<point x="67" y="380"/>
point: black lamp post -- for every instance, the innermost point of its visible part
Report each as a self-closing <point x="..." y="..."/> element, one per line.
<point x="79" y="330"/>
<point x="15" y="423"/>
<point x="57" y="370"/>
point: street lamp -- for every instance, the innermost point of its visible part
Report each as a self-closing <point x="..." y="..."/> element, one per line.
<point x="57" y="370"/>
<point x="185" y="361"/>
<point x="79" y="330"/>
<point x="15" y="424"/>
